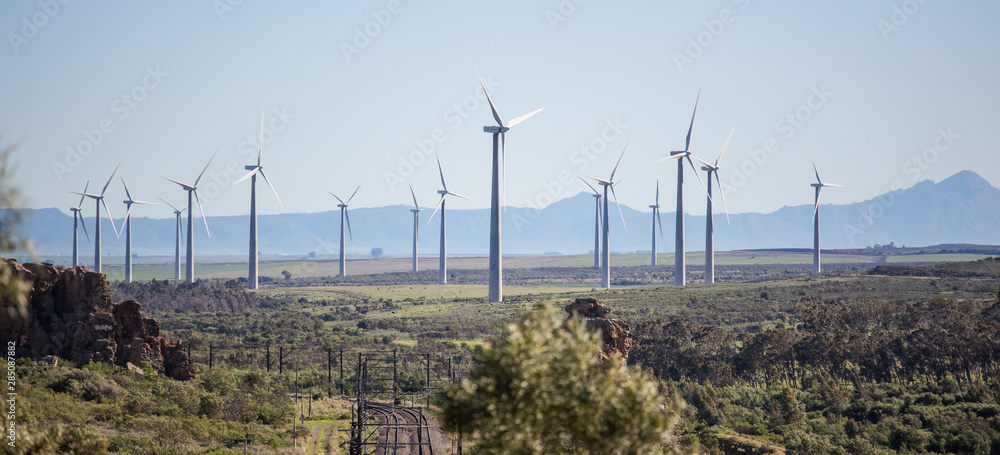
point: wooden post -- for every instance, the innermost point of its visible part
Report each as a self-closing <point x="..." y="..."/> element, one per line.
<point x="329" y="373"/>
<point x="210" y="356"/>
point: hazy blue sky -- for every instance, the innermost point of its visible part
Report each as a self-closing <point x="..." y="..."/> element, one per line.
<point x="353" y="91"/>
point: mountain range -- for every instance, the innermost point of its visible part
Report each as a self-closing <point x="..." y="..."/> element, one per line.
<point x="963" y="208"/>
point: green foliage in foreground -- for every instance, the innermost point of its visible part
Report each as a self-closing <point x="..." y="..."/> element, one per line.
<point x="542" y="388"/>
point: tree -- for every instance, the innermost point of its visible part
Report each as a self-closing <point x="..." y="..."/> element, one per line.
<point x="13" y="288"/>
<point x="286" y="274"/>
<point x="543" y="389"/>
<point x="377" y="252"/>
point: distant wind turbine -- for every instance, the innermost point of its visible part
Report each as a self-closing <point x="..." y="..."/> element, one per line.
<point x="656" y="217"/>
<point x="78" y="221"/>
<point x="597" y="224"/>
<point x="444" y="192"/>
<point x="127" y="227"/>
<point x="177" y="247"/>
<point x="709" y="222"/>
<point x="193" y="190"/>
<point x="680" y="273"/>
<point x="99" y="200"/>
<point x="416" y="227"/>
<point x="499" y="133"/>
<point x="819" y="186"/>
<point x="344" y="215"/>
<point x="606" y="250"/>
<point x="254" y="170"/>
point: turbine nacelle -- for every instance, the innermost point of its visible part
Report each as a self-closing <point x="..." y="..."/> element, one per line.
<point x="495" y="129"/>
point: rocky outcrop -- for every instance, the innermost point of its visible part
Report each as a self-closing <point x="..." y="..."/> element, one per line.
<point x="616" y="334"/>
<point x="70" y="315"/>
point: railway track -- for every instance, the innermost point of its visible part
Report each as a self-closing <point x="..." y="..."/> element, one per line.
<point x="402" y="430"/>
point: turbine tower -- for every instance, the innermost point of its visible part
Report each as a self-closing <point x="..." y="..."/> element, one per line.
<point x="193" y="190"/>
<point x="127" y="227"/>
<point x="656" y="216"/>
<point x="442" y="261"/>
<point x="99" y="200"/>
<point x="597" y="224"/>
<point x="606" y="251"/>
<point x="499" y="133"/>
<point x="344" y="215"/>
<point x="78" y="221"/>
<point x="709" y="222"/>
<point x="254" y="170"/>
<point x="416" y="227"/>
<point x="177" y="247"/>
<point x="819" y="186"/>
<point x="680" y="277"/>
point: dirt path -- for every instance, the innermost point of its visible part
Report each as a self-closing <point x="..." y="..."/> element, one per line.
<point x="325" y="432"/>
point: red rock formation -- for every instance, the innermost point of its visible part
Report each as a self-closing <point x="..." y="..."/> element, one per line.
<point x="616" y="334"/>
<point x="70" y="315"/>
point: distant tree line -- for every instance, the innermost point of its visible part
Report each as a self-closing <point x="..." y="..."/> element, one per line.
<point x="164" y="295"/>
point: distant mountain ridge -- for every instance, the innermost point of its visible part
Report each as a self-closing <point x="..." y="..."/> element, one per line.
<point x="963" y="208"/>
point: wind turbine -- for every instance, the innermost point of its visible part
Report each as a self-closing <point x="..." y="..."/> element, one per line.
<point x="254" y="170"/>
<point x="99" y="200"/>
<point x="442" y="261"/>
<point x="344" y="215"/>
<point x="680" y="277"/>
<point x="709" y="222"/>
<point x="656" y="216"/>
<point x="127" y="227"/>
<point x="606" y="252"/>
<point x="193" y="190"/>
<point x="78" y="220"/>
<point x="499" y="133"/>
<point x="177" y="247"/>
<point x="597" y="224"/>
<point x="819" y="186"/>
<point x="416" y="226"/>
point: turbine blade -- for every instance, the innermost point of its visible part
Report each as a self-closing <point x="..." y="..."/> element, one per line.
<point x="687" y="143"/>
<point x="92" y="196"/>
<point x="183" y="185"/>
<point x="110" y="178"/>
<point x="606" y="182"/>
<point x="660" y="219"/>
<point x="415" y="205"/>
<point x="84" y="225"/>
<point x="723" y="193"/>
<point x="81" y="197"/>
<point x="671" y="157"/>
<point x="619" y="207"/>
<point x="262" y="174"/>
<point x="701" y="161"/>
<point x="818" y="180"/>
<point x="169" y="204"/>
<point x="832" y="184"/>
<point x="108" y="211"/>
<point x="463" y="197"/>
<point x="444" y="186"/>
<point x="254" y="171"/>
<point x="724" y="147"/>
<point x="657" y="192"/>
<point x="128" y="213"/>
<point x="260" y="146"/>
<point x="352" y="194"/>
<point x="588" y="184"/>
<point x="436" y="207"/>
<point x="702" y="182"/>
<point x="816" y="204"/>
<point x="338" y="198"/>
<point x="206" y="168"/>
<point x="183" y="237"/>
<point x="496" y="116"/>
<point x="146" y="202"/>
<point x="618" y="163"/>
<point x="127" y="194"/>
<point x="203" y="218"/>
<point x="523" y="118"/>
<point x="347" y="214"/>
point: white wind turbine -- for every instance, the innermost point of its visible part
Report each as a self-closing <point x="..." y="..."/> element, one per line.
<point x="606" y="249"/>
<point x="177" y="247"/>
<point x="656" y="217"/>
<point x="499" y="133"/>
<point x="819" y="186"/>
<point x="597" y="224"/>
<point x="416" y="227"/>
<point x="680" y="274"/>
<point x="193" y="190"/>
<point x="78" y="221"/>
<point x="127" y="227"/>
<point x="709" y="221"/>
<point x="344" y="215"/>
<point x="99" y="200"/>
<point x="254" y="170"/>
<point x="444" y="192"/>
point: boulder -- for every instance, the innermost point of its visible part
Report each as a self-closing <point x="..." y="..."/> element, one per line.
<point x="70" y="315"/>
<point x="616" y="334"/>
